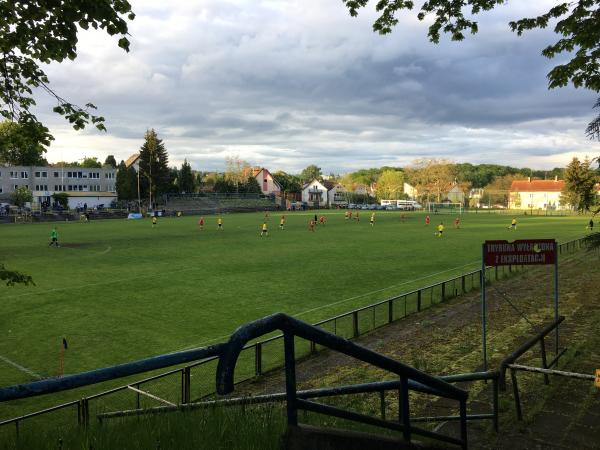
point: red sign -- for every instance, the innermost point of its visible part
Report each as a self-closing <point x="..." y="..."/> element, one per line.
<point x="522" y="252"/>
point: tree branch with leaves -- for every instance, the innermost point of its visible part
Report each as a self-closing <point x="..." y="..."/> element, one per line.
<point x="577" y="23"/>
<point x="34" y="32"/>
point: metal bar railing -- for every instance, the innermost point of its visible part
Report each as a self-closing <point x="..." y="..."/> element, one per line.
<point x="510" y="359"/>
<point x="291" y="328"/>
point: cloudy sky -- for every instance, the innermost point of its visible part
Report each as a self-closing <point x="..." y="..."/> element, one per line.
<point x="288" y="83"/>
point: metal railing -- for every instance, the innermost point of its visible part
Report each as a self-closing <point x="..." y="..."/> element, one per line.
<point x="508" y="363"/>
<point x="189" y="383"/>
<point x="410" y="378"/>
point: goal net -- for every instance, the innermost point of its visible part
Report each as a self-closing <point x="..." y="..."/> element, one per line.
<point x="445" y="208"/>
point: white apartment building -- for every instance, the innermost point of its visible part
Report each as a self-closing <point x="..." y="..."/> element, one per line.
<point x="84" y="186"/>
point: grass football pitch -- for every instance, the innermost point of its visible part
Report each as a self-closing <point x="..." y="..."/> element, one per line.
<point x="119" y="290"/>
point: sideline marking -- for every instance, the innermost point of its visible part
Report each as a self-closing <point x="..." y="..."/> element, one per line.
<point x="21" y="368"/>
<point x="335" y="303"/>
<point x="383" y="289"/>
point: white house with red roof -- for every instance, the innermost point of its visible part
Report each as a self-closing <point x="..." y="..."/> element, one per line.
<point x="536" y="194"/>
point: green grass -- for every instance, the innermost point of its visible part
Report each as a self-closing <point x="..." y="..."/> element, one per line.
<point x="121" y="290"/>
<point x="233" y="428"/>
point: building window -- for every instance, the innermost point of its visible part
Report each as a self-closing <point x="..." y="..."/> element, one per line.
<point x="24" y="174"/>
<point x="41" y="174"/>
<point x="56" y="174"/>
<point x="14" y="175"/>
<point x="0" y="189"/>
<point x="16" y="187"/>
<point x="69" y="174"/>
<point x="70" y="187"/>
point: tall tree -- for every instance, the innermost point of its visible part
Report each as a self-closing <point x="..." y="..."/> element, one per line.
<point x="390" y="185"/>
<point x="289" y="183"/>
<point x="126" y="183"/>
<point x="91" y="163"/>
<point x="577" y="25"/>
<point x="110" y="161"/>
<point x="580" y="179"/>
<point x="251" y="186"/>
<point x="23" y="144"/>
<point x="433" y="178"/>
<point x="236" y="171"/>
<point x="310" y="173"/>
<point x="34" y="32"/>
<point x="154" y="167"/>
<point x="186" y="180"/>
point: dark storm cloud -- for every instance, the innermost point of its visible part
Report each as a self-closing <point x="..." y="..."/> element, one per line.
<point x="285" y="84"/>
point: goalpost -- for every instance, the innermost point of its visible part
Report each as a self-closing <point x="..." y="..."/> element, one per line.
<point x="445" y="208"/>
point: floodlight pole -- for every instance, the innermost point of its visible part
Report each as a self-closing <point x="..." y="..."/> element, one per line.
<point x="483" y="309"/>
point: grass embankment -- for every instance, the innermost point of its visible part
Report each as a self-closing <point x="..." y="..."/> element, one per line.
<point x="234" y="428"/>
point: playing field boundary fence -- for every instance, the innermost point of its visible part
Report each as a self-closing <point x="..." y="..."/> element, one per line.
<point x="195" y="381"/>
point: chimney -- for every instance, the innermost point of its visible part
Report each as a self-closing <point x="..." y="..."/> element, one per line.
<point x="529" y="179"/>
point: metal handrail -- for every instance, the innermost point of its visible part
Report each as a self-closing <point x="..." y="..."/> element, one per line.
<point x="539" y="337"/>
<point x="291" y="328"/>
<point x="109" y="373"/>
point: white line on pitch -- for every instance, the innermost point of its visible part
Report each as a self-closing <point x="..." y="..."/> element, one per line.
<point x="21" y="368"/>
<point x="380" y="290"/>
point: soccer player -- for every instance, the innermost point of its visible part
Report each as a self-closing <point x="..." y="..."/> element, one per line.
<point x="316" y="219"/>
<point x="372" y="220"/>
<point x="322" y="220"/>
<point x="311" y="225"/>
<point x="513" y="224"/>
<point x="357" y="217"/>
<point x="154" y="220"/>
<point x="347" y="215"/>
<point x="591" y="225"/>
<point x="457" y="222"/>
<point x="440" y="229"/>
<point x="264" y="231"/>
<point x="402" y="217"/>
<point x="266" y="215"/>
<point x="54" y="238"/>
<point x="281" y="222"/>
<point x="220" y="223"/>
<point x="201" y="223"/>
<point x="427" y="220"/>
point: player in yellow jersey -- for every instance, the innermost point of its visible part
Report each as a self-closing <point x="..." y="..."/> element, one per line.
<point x="281" y="222"/>
<point x="440" y="229"/>
<point x="513" y="224"/>
<point x="220" y="223"/>
<point x="154" y="220"/>
<point x="264" y="231"/>
<point x="372" y="219"/>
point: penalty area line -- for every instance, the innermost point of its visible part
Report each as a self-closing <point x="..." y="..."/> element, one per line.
<point x="21" y="368"/>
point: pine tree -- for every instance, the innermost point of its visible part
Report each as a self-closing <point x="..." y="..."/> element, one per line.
<point x="110" y="161"/>
<point x="186" y="178"/>
<point x="126" y="183"/>
<point x="579" y="185"/>
<point x="155" y="177"/>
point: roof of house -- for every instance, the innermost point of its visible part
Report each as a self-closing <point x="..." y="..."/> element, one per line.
<point x="537" y="186"/>
<point x="132" y="160"/>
